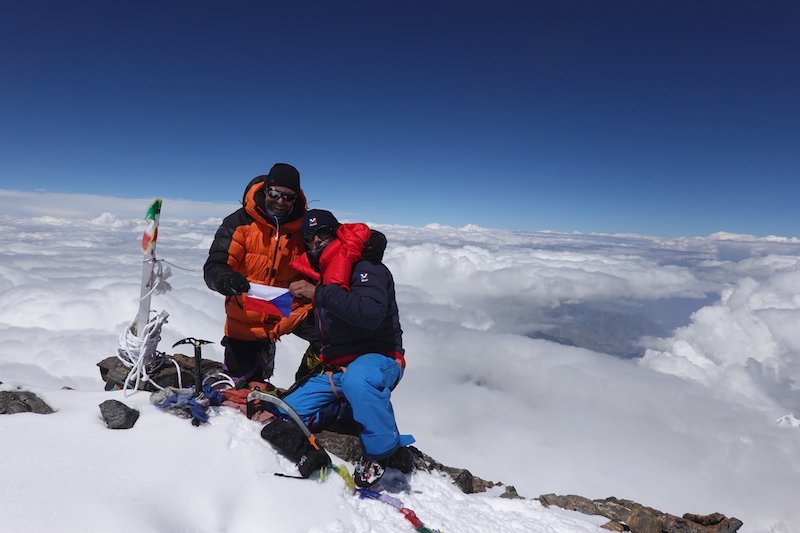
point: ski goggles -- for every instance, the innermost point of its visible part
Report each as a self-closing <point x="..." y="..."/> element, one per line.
<point x="323" y="233"/>
<point x="276" y="195"/>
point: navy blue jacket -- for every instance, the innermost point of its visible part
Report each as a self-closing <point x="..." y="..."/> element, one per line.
<point x="363" y="320"/>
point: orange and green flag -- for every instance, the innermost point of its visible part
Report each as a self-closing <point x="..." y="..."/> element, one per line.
<point x="151" y="229"/>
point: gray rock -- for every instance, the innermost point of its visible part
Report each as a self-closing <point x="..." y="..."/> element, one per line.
<point x="570" y="502"/>
<point x="511" y="493"/>
<point x="117" y="415"/>
<point x="12" y="402"/>
<point x="613" y="525"/>
<point x="348" y="447"/>
<point x="641" y="519"/>
<point x="463" y="479"/>
<point x="114" y="373"/>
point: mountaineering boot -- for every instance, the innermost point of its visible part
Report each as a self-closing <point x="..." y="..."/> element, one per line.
<point x="402" y="459"/>
<point x="286" y="437"/>
<point x="368" y="472"/>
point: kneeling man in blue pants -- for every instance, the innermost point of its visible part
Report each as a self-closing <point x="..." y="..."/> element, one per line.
<point x="362" y="357"/>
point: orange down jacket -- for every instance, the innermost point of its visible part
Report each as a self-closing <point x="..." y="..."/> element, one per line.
<point x="253" y="243"/>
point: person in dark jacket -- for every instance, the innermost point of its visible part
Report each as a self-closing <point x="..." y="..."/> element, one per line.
<point x="256" y="243"/>
<point x="357" y="317"/>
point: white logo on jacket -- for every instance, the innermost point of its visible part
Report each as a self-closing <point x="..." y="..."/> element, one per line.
<point x="364" y="276"/>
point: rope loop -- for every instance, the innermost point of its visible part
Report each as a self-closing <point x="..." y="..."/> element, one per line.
<point x="139" y="354"/>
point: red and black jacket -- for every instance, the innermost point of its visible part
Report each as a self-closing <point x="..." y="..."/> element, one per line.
<point x="256" y="245"/>
<point x="354" y="302"/>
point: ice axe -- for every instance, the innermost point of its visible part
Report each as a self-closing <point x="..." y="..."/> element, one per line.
<point x="198" y="361"/>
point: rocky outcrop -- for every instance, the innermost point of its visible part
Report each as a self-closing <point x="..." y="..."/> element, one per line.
<point x="627" y="515"/>
<point x="21" y="401"/>
<point x="114" y="373"/>
<point x="348" y="447"/>
<point x="623" y="515"/>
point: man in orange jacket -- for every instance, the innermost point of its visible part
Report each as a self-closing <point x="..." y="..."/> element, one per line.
<point x="255" y="244"/>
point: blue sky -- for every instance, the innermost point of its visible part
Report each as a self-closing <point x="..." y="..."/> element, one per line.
<point x="665" y="118"/>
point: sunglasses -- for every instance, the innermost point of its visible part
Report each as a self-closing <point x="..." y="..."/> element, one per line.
<point x="276" y="195"/>
<point x="323" y="233"/>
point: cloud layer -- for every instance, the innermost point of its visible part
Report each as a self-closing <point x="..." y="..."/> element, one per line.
<point x="688" y="428"/>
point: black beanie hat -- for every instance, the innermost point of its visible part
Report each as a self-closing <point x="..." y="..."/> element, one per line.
<point x="283" y="175"/>
<point x="317" y="218"/>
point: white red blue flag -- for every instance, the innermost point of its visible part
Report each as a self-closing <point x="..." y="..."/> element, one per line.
<point x="268" y="300"/>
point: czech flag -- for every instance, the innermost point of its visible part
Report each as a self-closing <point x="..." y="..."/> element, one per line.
<point x="268" y="300"/>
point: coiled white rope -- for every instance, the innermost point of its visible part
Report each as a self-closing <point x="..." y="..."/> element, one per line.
<point x="221" y="379"/>
<point x="137" y="353"/>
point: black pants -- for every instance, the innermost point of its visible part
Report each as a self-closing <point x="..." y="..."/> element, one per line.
<point x="308" y="331"/>
<point x="249" y="360"/>
<point x="254" y="360"/>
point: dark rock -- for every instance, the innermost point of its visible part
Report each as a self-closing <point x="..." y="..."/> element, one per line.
<point x="613" y="525"/>
<point x="462" y="478"/>
<point x="511" y="493"/>
<point x="117" y="415"/>
<point x="571" y="503"/>
<point x="619" y="509"/>
<point x="705" y="520"/>
<point x="114" y="373"/>
<point x="12" y="402"/>
<point x="715" y="522"/>
<point x="612" y="509"/>
<point x="642" y="519"/>
<point x="348" y="448"/>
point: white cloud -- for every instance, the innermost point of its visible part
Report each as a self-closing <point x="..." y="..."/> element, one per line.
<point x="477" y="392"/>
<point x="745" y="347"/>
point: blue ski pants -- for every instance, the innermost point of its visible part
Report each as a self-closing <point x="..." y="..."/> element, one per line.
<point x="367" y="385"/>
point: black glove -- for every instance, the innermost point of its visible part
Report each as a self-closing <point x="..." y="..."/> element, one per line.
<point x="231" y="284"/>
<point x="404" y="459"/>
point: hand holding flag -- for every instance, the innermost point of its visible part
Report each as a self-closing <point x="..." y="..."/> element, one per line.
<point x="268" y="300"/>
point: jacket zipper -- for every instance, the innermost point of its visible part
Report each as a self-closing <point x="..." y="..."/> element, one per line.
<point x="272" y="271"/>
